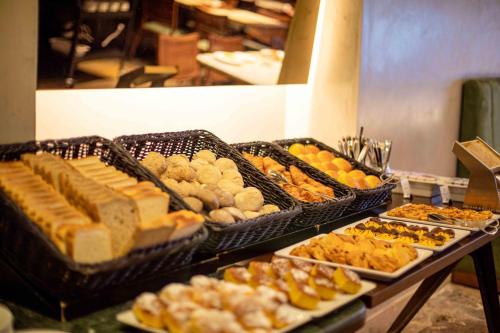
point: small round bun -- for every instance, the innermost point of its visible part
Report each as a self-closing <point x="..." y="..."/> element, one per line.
<point x="249" y="199"/>
<point x="230" y="186"/>
<point x="233" y="175"/>
<point x="206" y="155"/>
<point x="155" y="162"/>
<point x="180" y="173"/>
<point x="177" y="160"/>
<point x="269" y="208"/>
<point x="222" y="216"/>
<point x="197" y="164"/>
<point x="225" y="164"/>
<point x="209" y="174"/>
<point x="195" y="203"/>
<point x="251" y="214"/>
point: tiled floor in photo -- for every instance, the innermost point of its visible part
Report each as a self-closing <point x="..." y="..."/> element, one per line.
<point x="453" y="309"/>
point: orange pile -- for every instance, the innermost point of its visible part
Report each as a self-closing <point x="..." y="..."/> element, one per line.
<point x="336" y="167"/>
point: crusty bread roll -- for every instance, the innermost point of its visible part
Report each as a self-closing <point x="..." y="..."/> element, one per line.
<point x="230" y="186"/>
<point x="249" y="199"/>
<point x="155" y="162"/>
<point x="206" y="155"/>
<point x="225" y="164"/>
<point x="221" y="216"/>
<point x="234" y="176"/>
<point x="195" y="203"/>
<point x="209" y="174"/>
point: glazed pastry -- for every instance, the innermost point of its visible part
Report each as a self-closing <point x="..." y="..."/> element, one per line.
<point x="238" y="275"/>
<point x="301" y="293"/>
<point x="321" y="279"/>
<point x="347" y="280"/>
<point x="147" y="309"/>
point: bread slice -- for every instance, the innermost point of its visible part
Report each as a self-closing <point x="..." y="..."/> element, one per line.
<point x="86" y="161"/>
<point x="113" y="209"/>
<point x="154" y="233"/>
<point x="87" y="244"/>
<point x="186" y="223"/>
<point x="151" y="206"/>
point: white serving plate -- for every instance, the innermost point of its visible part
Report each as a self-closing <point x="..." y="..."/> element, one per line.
<point x="234" y="58"/>
<point x="371" y="273"/>
<point x="341" y="299"/>
<point x="459" y="234"/>
<point x="385" y="216"/>
<point x="128" y="318"/>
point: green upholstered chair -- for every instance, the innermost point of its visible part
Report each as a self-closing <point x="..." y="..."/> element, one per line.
<point x="480" y="116"/>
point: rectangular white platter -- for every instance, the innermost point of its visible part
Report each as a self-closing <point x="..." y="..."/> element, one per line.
<point x="324" y="308"/>
<point x="341" y="299"/>
<point x="371" y="273"/>
<point x="128" y="318"/>
<point x="385" y="216"/>
<point x="459" y="234"/>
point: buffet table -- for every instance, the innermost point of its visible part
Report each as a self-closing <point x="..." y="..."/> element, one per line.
<point x="349" y="318"/>
<point x="63" y="282"/>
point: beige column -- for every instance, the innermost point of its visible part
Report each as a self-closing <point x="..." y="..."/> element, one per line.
<point x="334" y="76"/>
<point x="18" y="72"/>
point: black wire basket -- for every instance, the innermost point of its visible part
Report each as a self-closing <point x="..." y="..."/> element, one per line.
<point x="313" y="213"/>
<point x="222" y="236"/>
<point x="365" y="199"/>
<point x="30" y="252"/>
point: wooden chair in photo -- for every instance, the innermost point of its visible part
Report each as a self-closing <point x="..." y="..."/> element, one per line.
<point x="180" y="51"/>
<point x="222" y="43"/>
<point x="209" y="23"/>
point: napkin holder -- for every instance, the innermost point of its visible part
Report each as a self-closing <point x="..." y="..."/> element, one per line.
<point x="483" y="162"/>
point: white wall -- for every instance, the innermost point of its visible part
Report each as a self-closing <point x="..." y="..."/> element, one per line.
<point x="415" y="55"/>
<point x="18" y="58"/>
<point x="234" y="113"/>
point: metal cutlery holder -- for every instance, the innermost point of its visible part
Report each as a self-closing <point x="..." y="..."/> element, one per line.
<point x="483" y="162"/>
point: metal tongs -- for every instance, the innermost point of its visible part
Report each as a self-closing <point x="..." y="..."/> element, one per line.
<point x="488" y="228"/>
<point x="388" y="179"/>
<point x="280" y="179"/>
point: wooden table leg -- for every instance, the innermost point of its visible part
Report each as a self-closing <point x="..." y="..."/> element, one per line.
<point x="423" y="293"/>
<point x="485" y="272"/>
<point x="175" y="16"/>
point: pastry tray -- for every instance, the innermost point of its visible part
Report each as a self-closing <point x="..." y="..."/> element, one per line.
<point x="324" y="308"/>
<point x="128" y="318"/>
<point x="367" y="272"/>
<point x="459" y="234"/>
<point x="453" y="226"/>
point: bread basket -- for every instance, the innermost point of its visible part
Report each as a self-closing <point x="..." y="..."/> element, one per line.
<point x="365" y="199"/>
<point x="27" y="249"/>
<point x="222" y="236"/>
<point x="313" y="213"/>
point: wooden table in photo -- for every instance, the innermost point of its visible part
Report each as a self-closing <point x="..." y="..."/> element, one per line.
<point x="236" y="16"/>
<point x="263" y="71"/>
